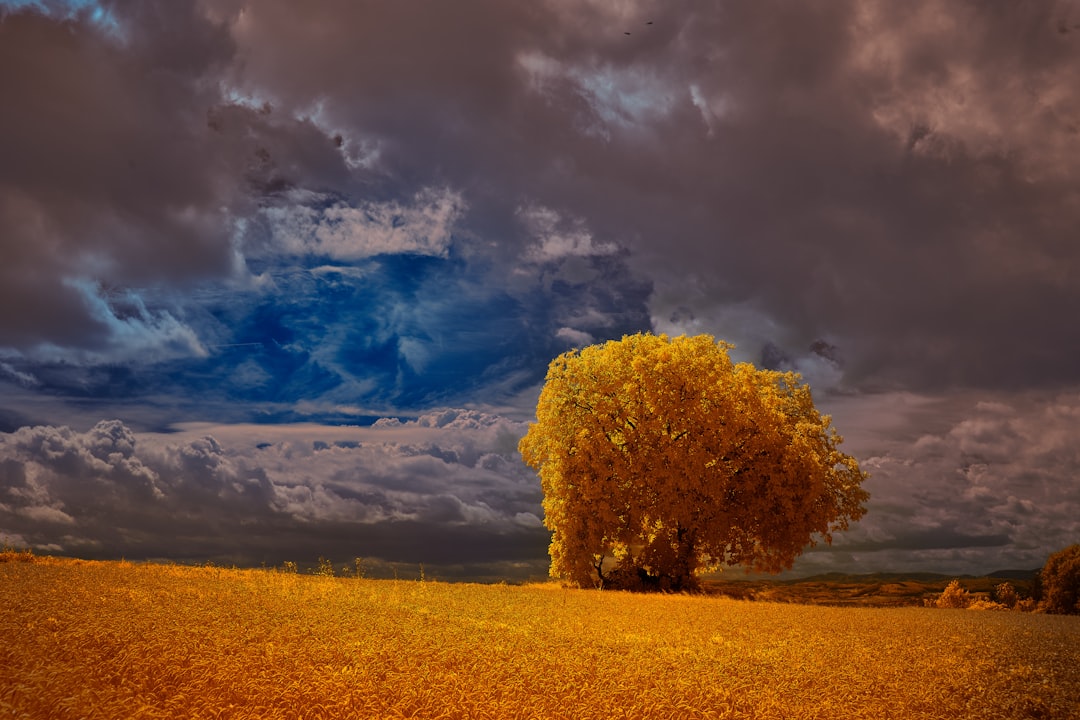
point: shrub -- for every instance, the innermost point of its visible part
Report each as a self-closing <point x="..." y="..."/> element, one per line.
<point x="954" y="596"/>
<point x="985" y="604"/>
<point x="1005" y="594"/>
<point x="1060" y="579"/>
<point x="1027" y="605"/>
<point x="10" y="554"/>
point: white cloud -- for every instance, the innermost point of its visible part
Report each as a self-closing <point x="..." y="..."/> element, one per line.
<point x="131" y="332"/>
<point x="576" y="338"/>
<point x="527" y="519"/>
<point x="619" y="97"/>
<point x="354" y="232"/>
<point x="555" y="236"/>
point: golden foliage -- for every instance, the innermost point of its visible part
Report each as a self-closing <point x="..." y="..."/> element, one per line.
<point x="118" y="640"/>
<point x="1061" y="582"/>
<point x="669" y="458"/>
<point x="1006" y="594"/>
<point x="954" y="596"/>
<point x="985" y="604"/>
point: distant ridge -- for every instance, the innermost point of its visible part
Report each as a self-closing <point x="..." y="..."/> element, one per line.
<point x="923" y="577"/>
<point x="867" y="578"/>
<point x="1014" y="574"/>
<point x="882" y="589"/>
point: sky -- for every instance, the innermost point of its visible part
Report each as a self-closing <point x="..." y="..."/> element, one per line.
<point x="282" y="281"/>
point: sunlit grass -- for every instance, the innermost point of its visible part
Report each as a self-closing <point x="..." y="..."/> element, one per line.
<point x="119" y="640"/>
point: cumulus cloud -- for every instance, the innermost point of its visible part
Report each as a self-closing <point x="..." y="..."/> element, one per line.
<point x="575" y="338"/>
<point x="960" y="487"/>
<point x="970" y="485"/>
<point x="443" y="488"/>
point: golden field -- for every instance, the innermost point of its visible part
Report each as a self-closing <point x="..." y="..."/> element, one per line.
<point x="118" y="640"/>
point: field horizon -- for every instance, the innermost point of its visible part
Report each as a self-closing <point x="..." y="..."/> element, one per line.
<point x="115" y="639"/>
<point x="881" y="589"/>
<point x="873" y="589"/>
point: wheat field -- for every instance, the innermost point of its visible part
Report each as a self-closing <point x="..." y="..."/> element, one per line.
<point x="120" y="640"/>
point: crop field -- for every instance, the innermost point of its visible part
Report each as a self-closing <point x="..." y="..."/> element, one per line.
<point x="117" y="640"/>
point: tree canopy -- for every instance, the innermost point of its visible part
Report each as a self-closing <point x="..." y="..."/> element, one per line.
<point x="660" y="458"/>
<point x="1060" y="580"/>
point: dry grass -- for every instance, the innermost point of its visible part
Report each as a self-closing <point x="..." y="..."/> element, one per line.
<point x="116" y="640"/>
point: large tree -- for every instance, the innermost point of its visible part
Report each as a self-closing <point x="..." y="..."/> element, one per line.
<point x="660" y="458"/>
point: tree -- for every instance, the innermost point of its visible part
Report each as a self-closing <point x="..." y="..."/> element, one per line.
<point x="954" y="596"/>
<point x="1060" y="582"/>
<point x="661" y="458"/>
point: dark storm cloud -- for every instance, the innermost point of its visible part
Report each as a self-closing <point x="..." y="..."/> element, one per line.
<point x="109" y="177"/>
<point x="256" y="243"/>
<point x="887" y="177"/>
<point x="893" y="180"/>
<point x="127" y="174"/>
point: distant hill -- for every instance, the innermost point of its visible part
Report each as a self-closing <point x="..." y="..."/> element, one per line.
<point x="870" y="589"/>
<point x="924" y="577"/>
<point x="1015" y="574"/>
<point x="867" y="578"/>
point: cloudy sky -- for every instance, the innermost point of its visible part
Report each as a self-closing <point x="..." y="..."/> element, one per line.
<point x="282" y="281"/>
